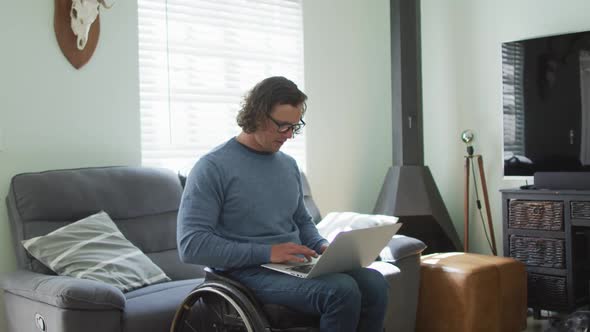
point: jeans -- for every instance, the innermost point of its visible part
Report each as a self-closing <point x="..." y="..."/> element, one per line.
<point x="351" y="301"/>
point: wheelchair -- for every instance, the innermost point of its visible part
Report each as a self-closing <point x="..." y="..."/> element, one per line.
<point x="221" y="304"/>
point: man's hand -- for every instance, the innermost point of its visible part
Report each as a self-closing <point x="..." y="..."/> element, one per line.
<point x="287" y="252"/>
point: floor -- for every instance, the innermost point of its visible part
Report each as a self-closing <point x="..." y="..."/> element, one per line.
<point x="534" y="325"/>
<point x="544" y="325"/>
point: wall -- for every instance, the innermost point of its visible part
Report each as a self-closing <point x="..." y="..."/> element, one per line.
<point x="347" y="79"/>
<point x="43" y="124"/>
<point x="53" y="116"/>
<point x="347" y="74"/>
<point x="462" y="87"/>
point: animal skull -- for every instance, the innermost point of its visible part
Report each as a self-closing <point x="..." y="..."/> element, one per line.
<point x="83" y="13"/>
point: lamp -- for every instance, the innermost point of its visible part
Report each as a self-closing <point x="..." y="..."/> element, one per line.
<point x="467" y="136"/>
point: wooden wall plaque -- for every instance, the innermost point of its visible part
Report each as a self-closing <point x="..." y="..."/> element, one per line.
<point x="67" y="39"/>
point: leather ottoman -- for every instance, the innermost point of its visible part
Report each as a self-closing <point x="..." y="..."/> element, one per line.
<point x="462" y="292"/>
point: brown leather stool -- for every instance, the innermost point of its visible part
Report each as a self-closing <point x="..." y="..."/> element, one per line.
<point x="462" y="292"/>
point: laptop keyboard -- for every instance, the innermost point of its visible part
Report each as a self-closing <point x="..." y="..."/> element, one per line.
<point x="302" y="268"/>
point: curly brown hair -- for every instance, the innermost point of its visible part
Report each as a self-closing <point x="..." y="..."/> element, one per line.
<point x="259" y="101"/>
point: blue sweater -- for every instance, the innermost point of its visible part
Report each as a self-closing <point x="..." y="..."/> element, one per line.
<point x="237" y="203"/>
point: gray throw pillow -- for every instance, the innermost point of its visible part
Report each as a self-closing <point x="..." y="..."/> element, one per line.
<point x="94" y="248"/>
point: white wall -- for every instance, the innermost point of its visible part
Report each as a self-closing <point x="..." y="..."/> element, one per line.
<point x="54" y="116"/>
<point x="461" y="45"/>
<point x="347" y="74"/>
<point x="348" y="82"/>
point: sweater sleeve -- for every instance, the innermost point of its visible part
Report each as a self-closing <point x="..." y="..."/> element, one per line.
<point x="308" y="232"/>
<point x="198" y="216"/>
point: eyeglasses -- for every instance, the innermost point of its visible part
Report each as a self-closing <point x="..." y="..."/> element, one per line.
<point x="284" y="127"/>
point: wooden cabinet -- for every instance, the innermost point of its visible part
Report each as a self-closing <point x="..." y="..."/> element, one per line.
<point x="549" y="231"/>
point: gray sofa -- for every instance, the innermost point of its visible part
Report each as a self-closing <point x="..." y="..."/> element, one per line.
<point x="143" y="202"/>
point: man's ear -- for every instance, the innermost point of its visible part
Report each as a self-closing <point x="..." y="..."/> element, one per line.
<point x="263" y="123"/>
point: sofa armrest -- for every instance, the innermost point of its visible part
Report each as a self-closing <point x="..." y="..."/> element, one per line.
<point x="400" y="247"/>
<point x="404" y="253"/>
<point x="64" y="292"/>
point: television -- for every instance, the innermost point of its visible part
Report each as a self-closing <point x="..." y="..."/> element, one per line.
<point x="546" y="104"/>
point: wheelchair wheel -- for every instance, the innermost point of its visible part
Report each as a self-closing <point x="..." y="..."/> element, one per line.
<point x="216" y="307"/>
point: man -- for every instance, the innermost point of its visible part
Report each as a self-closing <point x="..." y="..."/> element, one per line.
<point x="243" y="206"/>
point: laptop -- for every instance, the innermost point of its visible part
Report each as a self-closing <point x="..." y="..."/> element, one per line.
<point x="348" y="251"/>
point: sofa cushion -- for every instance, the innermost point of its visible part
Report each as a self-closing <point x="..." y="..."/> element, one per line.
<point x="169" y="262"/>
<point x="152" y="308"/>
<point x="94" y="248"/>
<point x="124" y="192"/>
<point x="142" y="201"/>
<point x="312" y="208"/>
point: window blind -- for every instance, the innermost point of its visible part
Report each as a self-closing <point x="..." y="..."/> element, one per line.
<point x="197" y="59"/>
<point x="513" y="103"/>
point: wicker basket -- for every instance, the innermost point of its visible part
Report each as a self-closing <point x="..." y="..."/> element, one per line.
<point x="580" y="210"/>
<point x="534" y="251"/>
<point x="541" y="215"/>
<point x="547" y="292"/>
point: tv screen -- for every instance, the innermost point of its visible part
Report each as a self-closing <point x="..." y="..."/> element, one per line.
<point x="546" y="104"/>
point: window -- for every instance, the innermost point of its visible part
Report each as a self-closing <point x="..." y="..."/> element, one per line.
<point x="197" y="59"/>
<point x="513" y="104"/>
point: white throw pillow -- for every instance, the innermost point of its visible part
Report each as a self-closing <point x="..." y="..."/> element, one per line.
<point x="336" y="222"/>
<point x="94" y="248"/>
